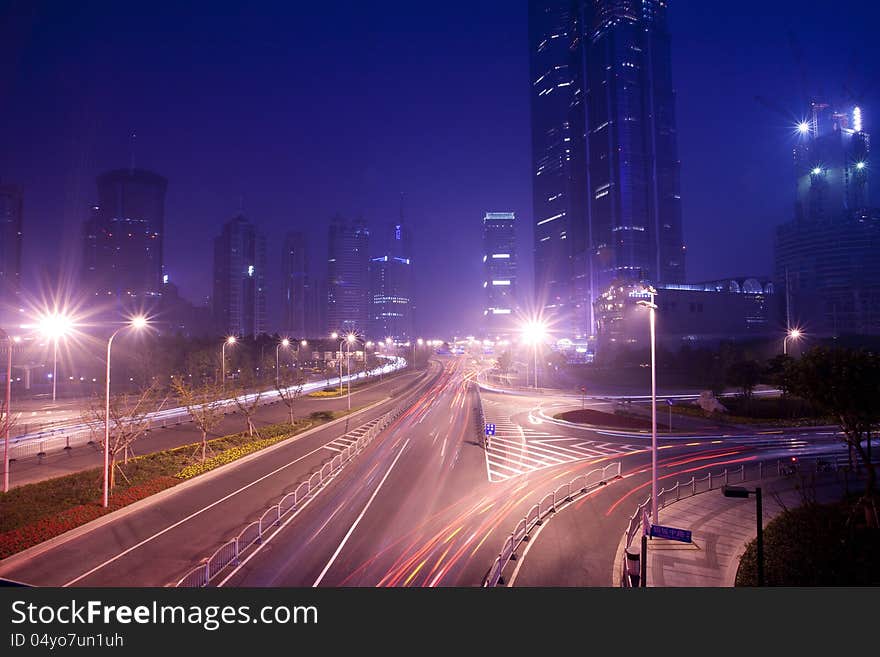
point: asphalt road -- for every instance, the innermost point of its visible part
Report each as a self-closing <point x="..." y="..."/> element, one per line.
<point x="155" y="541"/>
<point x="431" y="507"/>
<point x="425" y="504"/>
<point x="82" y="457"/>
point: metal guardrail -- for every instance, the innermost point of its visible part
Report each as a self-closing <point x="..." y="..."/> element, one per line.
<point x="713" y="481"/>
<point x="62" y="438"/>
<point x="231" y="551"/>
<point x="564" y="494"/>
<point x="480" y="417"/>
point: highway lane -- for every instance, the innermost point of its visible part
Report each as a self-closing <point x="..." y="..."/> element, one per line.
<point x="156" y="541"/>
<point x="58" y="463"/>
<point x="427" y="507"/>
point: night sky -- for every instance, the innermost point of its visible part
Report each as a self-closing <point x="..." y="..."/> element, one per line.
<point x="300" y="110"/>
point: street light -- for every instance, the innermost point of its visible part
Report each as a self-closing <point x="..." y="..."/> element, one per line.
<point x="349" y="340"/>
<point x="284" y="343"/>
<point x="8" y="419"/>
<point x="653" y="308"/>
<point x="55" y="326"/>
<point x="741" y="492"/>
<point x="794" y="334"/>
<point x="534" y="332"/>
<point x="229" y="340"/>
<point x="136" y="323"/>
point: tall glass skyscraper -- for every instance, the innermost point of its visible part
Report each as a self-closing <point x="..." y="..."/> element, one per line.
<point x="123" y="236"/>
<point x="10" y="249"/>
<point x="499" y="266"/>
<point x="294" y="285"/>
<point x="826" y="257"/>
<point x="602" y="86"/>
<point x="348" y="276"/>
<point x="240" y="279"/>
<point x="391" y="302"/>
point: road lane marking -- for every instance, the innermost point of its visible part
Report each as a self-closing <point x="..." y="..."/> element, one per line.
<point x="193" y="515"/>
<point x="363" y="512"/>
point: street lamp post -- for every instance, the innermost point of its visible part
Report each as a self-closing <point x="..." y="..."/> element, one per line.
<point x="229" y="340"/>
<point x="349" y="340"/>
<point x="652" y="307"/>
<point x="794" y="334"/>
<point x="284" y="343"/>
<point x="135" y="323"/>
<point x="741" y="492"/>
<point x="55" y="326"/>
<point x="8" y="419"/>
<point x="534" y="331"/>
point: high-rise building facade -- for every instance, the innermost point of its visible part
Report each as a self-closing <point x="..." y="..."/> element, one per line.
<point x="294" y="284"/>
<point x="826" y="265"/>
<point x="239" y="301"/>
<point x="500" y="275"/>
<point x="559" y="172"/>
<point x="606" y="169"/>
<point x="123" y="237"/>
<point x="11" y="204"/>
<point x="348" y="276"/>
<point x="391" y="301"/>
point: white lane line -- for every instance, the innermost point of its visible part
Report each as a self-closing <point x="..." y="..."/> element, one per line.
<point x="443" y="449"/>
<point x="543" y="453"/>
<point x="190" y="517"/>
<point x="357" y="521"/>
<point x="506" y="467"/>
<point x="335" y="449"/>
<point x="278" y="530"/>
<point x="568" y="451"/>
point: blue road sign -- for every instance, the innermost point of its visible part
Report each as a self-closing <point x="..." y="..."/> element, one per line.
<point x="669" y="401"/>
<point x="673" y="534"/>
<point x="490" y="429"/>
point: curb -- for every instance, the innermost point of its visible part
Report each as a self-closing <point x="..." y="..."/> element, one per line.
<point x="35" y="550"/>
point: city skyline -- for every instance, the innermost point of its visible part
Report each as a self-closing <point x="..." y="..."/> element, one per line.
<point x="451" y="295"/>
<point x="58" y="191"/>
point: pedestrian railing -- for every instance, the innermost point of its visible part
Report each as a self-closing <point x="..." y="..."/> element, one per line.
<point x="232" y="550"/>
<point x="480" y="416"/>
<point x="60" y="438"/>
<point x="702" y="483"/>
<point x="550" y="503"/>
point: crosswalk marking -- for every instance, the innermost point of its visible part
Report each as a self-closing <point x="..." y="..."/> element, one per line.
<point x="516" y="450"/>
<point x="350" y="438"/>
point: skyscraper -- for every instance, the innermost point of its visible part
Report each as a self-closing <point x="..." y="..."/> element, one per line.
<point x="831" y="164"/>
<point x="499" y="266"/>
<point x="827" y="271"/>
<point x="294" y="284"/>
<point x="348" y="276"/>
<point x="11" y="202"/>
<point x="123" y="237"/>
<point x="606" y="169"/>
<point x="239" y="279"/>
<point x="559" y="173"/>
<point x="391" y="302"/>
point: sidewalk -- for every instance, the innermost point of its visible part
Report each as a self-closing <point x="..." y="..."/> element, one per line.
<point x="721" y="528"/>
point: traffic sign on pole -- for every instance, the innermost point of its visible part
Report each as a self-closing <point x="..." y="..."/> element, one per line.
<point x="671" y="533"/>
<point x="490" y="429"/>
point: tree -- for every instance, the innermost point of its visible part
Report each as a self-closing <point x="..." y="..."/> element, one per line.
<point x="247" y="402"/>
<point x="745" y="375"/>
<point x="129" y="420"/>
<point x="845" y="383"/>
<point x="778" y="373"/>
<point x="204" y="403"/>
<point x="289" y="392"/>
<point x="505" y="360"/>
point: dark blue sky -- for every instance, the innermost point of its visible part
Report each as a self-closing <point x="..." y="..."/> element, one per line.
<point x="308" y="109"/>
